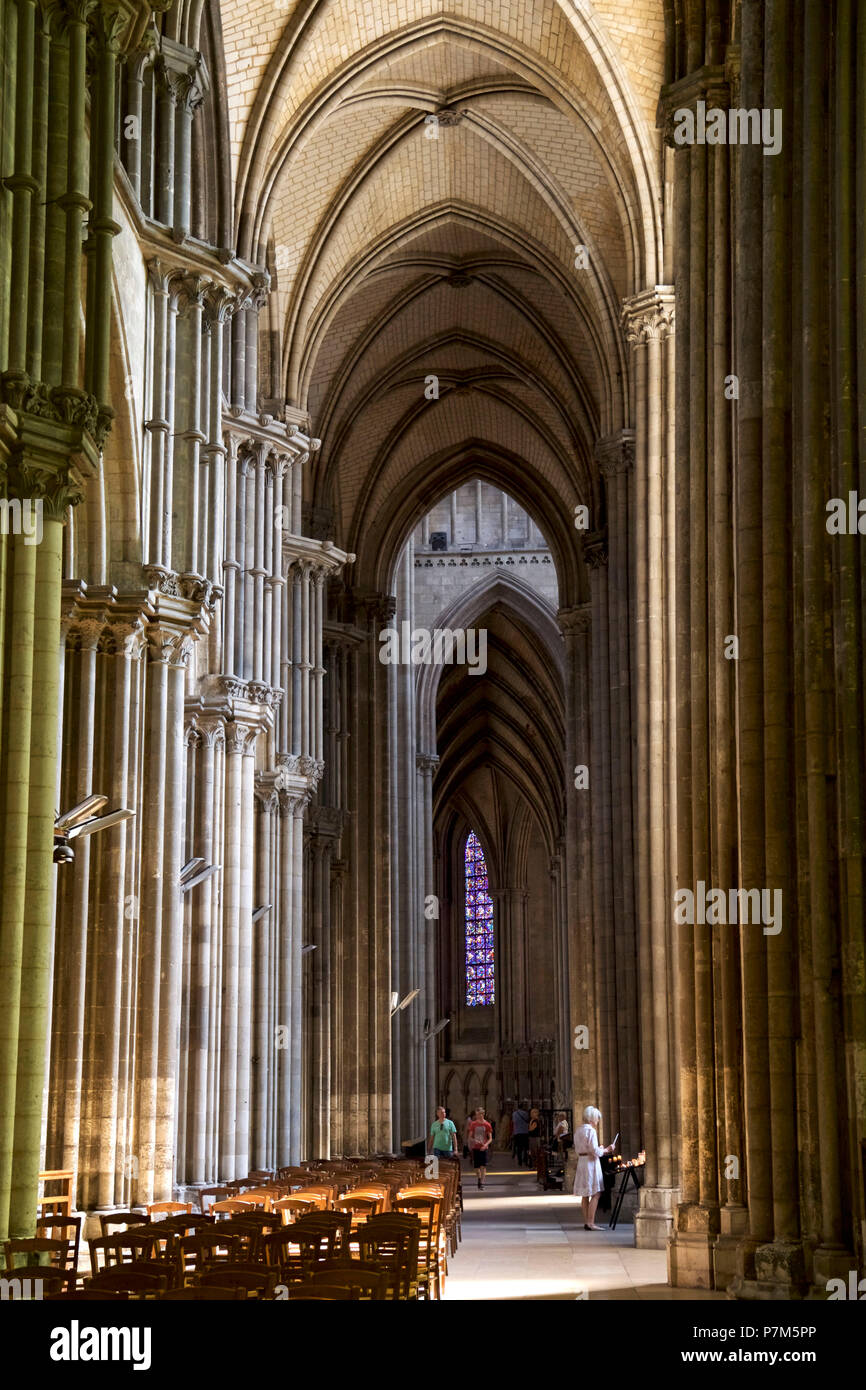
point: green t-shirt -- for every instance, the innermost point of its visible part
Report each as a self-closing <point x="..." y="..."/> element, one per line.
<point x="442" y="1131"/>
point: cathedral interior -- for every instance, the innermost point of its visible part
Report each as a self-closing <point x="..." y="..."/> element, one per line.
<point x="333" y="328"/>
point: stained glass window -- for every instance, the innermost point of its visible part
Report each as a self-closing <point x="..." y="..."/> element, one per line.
<point x="479" y="927"/>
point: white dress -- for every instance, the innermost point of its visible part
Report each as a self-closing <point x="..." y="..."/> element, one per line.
<point x="588" y="1176"/>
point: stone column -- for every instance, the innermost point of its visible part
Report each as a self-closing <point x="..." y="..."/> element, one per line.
<point x="648" y="320"/>
<point x="426" y="765"/>
<point x="615" y="456"/>
<point x="592" y="1063"/>
<point x="577" y="1069"/>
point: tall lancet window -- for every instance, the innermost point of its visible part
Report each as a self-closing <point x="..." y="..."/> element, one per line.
<point x="479" y="927"/>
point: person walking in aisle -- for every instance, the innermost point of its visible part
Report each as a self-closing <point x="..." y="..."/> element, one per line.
<point x="443" y="1136"/>
<point x="480" y="1133"/>
<point x="588" y="1178"/>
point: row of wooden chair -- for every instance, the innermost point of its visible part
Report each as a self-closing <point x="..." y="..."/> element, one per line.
<point x="271" y="1222"/>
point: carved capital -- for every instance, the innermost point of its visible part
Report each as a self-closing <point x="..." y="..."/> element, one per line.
<point x="650" y="315"/>
<point x="575" y="620"/>
<point x="595" y="550"/>
<point x="615" y="453"/>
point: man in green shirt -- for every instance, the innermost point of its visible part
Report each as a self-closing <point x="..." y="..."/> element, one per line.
<point x="443" y="1136"/>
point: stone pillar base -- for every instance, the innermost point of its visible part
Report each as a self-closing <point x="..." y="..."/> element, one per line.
<point x="779" y="1273"/>
<point x="834" y="1262"/>
<point x="690" y="1248"/>
<point x="733" y="1224"/>
<point x="654" y="1219"/>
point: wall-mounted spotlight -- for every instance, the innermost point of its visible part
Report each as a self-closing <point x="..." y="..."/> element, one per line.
<point x="403" y="1003"/>
<point x="261" y="912"/>
<point x="195" y="871"/>
<point x="305" y="950"/>
<point x="437" y="1028"/>
<point x="83" y="819"/>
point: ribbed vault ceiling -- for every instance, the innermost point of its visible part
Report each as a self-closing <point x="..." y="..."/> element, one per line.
<point x="398" y="257"/>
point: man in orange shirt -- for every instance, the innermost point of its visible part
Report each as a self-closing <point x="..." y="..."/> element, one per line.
<point x="480" y="1133"/>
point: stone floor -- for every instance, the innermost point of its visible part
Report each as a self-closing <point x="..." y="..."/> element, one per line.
<point x="520" y="1243"/>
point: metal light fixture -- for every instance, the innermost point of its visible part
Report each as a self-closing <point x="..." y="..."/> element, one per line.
<point x="195" y="871"/>
<point x="305" y="950"/>
<point x="83" y="819"/>
<point x="261" y="912"/>
<point x="404" y="1002"/>
<point x="437" y="1028"/>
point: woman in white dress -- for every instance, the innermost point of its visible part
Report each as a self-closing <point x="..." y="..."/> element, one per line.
<point x="588" y="1180"/>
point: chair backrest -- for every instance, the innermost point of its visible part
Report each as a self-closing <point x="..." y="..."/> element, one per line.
<point x="326" y="1192"/>
<point x="368" y="1280"/>
<point x="204" y="1294"/>
<point x="55" y="1253"/>
<point x="259" y="1197"/>
<point x="289" y="1208"/>
<point x="169" y="1209"/>
<point x="256" y="1280"/>
<point x="129" y="1247"/>
<point x="209" y="1247"/>
<point x="276" y="1248"/>
<point x="360" y="1204"/>
<point x="310" y="1289"/>
<point x="321" y="1236"/>
<point x="33" y="1281"/>
<point x="90" y="1296"/>
<point x="427" y="1208"/>
<point x="58" y="1202"/>
<point x="184" y="1225"/>
<point x="66" y="1228"/>
<point x="122" y="1220"/>
<point x="230" y="1207"/>
<point x="391" y="1243"/>
<point x="129" y="1279"/>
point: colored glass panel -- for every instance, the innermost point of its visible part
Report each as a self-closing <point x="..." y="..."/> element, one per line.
<point x="480" y="974"/>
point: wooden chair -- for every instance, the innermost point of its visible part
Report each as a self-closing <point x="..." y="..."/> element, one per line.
<point x="259" y="1197"/>
<point x="289" y="1208"/>
<point x="122" y="1220"/>
<point x="55" y="1203"/>
<point x="231" y="1207"/>
<point x="318" y="1236"/>
<point x="257" y="1280"/>
<point x="34" y="1281"/>
<point x="368" y="1280"/>
<point x="431" y="1254"/>
<point x="129" y="1247"/>
<point x="208" y="1248"/>
<point x="66" y="1228"/>
<point x="324" y="1192"/>
<point x="196" y="1293"/>
<point x="278" y="1253"/>
<point x="54" y="1253"/>
<point x="138" y="1283"/>
<point x="185" y="1225"/>
<point x="260" y="1175"/>
<point x="309" y="1289"/>
<point x="166" y="1209"/>
<point x="391" y="1243"/>
<point x="89" y="1296"/>
<point x="247" y="1235"/>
